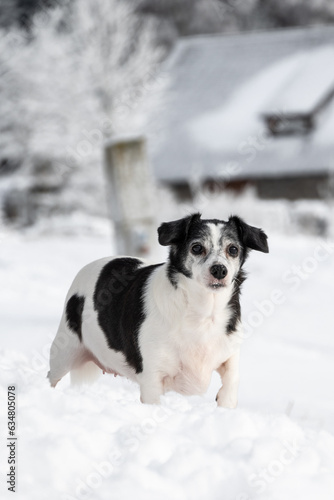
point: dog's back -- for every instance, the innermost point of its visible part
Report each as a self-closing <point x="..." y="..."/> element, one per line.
<point x="94" y="319"/>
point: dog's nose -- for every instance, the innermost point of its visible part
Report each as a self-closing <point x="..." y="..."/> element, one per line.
<point x="218" y="271"/>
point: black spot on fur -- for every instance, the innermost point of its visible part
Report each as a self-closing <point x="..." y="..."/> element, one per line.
<point x="119" y="302"/>
<point x="234" y="303"/>
<point x="74" y="308"/>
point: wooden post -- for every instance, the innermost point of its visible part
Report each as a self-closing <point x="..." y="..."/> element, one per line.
<point x="130" y="195"/>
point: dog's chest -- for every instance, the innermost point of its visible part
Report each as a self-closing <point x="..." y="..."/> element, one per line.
<point x="201" y="345"/>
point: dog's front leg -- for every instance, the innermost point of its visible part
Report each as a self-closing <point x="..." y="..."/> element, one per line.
<point x="227" y="396"/>
<point x="151" y="388"/>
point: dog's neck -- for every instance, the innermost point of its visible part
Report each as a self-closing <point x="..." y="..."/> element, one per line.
<point x="201" y="299"/>
<point x="188" y="297"/>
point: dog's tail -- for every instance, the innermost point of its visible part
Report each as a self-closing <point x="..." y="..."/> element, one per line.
<point x="87" y="373"/>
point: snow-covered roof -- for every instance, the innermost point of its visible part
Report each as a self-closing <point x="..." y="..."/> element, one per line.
<point x="206" y="119"/>
<point x="309" y="81"/>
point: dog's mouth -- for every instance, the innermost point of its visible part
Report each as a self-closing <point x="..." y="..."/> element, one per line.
<point x="216" y="285"/>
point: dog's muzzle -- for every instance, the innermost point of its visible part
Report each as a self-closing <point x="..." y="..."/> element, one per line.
<point x="218" y="272"/>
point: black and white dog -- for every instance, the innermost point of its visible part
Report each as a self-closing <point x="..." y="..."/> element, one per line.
<point x="166" y="326"/>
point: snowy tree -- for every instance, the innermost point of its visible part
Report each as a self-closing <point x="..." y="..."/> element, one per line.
<point x="65" y="89"/>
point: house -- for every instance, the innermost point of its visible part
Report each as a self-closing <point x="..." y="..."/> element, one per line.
<point x="246" y="110"/>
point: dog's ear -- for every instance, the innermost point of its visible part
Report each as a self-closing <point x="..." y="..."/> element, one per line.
<point x="251" y="237"/>
<point x="175" y="232"/>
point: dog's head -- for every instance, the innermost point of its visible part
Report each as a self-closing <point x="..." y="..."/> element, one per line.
<point x="209" y="251"/>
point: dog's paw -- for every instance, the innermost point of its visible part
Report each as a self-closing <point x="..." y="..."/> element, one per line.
<point x="150" y="400"/>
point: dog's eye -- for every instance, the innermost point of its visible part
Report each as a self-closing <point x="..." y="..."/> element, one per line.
<point x="197" y="249"/>
<point x="233" y="251"/>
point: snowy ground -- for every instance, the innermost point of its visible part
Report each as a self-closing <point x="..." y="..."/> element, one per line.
<point x="99" y="442"/>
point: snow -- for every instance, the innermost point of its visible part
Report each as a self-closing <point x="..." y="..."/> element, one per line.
<point x="100" y="442"/>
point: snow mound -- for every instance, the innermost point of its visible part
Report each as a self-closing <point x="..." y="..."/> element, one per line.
<point x="101" y="440"/>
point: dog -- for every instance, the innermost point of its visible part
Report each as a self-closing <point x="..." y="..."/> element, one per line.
<point x="167" y="326"/>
